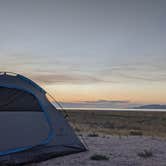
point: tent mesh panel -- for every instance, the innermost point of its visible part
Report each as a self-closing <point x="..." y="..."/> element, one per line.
<point x="17" y="100"/>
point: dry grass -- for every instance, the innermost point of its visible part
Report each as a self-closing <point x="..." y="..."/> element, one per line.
<point x="145" y="154"/>
<point x="93" y="135"/>
<point x="99" y="157"/>
<point x="136" y="133"/>
<point x="119" y="122"/>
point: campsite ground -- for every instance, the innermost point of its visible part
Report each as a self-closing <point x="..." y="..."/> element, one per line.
<point x="117" y="138"/>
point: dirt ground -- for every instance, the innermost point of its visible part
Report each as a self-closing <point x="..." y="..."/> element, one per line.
<point x="119" y="151"/>
<point x="122" y="138"/>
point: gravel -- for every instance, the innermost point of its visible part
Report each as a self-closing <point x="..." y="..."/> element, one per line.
<point x="121" y="151"/>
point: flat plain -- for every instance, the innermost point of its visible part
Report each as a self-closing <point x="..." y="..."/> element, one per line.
<point x="122" y="123"/>
<point x="118" y="138"/>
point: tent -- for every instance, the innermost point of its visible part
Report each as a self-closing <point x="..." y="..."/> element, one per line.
<point x="31" y="128"/>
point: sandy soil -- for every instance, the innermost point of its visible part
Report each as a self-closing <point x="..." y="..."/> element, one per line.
<point x="122" y="151"/>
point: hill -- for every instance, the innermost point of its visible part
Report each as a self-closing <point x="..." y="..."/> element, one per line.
<point x="152" y="106"/>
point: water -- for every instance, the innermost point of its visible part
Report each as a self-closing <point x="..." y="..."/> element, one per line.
<point x="116" y="109"/>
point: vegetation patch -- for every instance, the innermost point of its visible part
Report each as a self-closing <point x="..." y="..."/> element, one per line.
<point x="93" y="135"/>
<point x="136" y="133"/>
<point x="99" y="157"/>
<point x="77" y="129"/>
<point x="122" y="123"/>
<point x="145" y="154"/>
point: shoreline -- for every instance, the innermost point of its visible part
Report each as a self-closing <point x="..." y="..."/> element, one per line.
<point x="113" y="109"/>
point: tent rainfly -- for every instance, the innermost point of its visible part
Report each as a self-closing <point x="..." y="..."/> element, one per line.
<point x="31" y="128"/>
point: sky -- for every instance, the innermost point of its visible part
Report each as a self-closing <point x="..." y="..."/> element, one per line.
<point x="88" y="50"/>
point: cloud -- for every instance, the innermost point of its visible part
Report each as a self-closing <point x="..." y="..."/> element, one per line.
<point x="106" y="102"/>
<point x="47" y="71"/>
<point x="65" y="78"/>
<point x="136" y="72"/>
<point x="56" y="70"/>
<point x="99" y="104"/>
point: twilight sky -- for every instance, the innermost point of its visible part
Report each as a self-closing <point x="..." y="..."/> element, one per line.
<point x="88" y="50"/>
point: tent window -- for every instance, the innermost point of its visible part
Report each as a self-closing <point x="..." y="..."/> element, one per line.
<point x="17" y="100"/>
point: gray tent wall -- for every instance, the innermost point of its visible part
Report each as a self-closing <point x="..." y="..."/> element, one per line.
<point x="34" y="136"/>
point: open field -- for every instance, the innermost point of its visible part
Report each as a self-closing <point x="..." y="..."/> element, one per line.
<point x="119" y="122"/>
<point x="117" y="138"/>
<point x="115" y="151"/>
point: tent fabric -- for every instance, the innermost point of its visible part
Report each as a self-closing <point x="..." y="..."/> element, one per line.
<point x="17" y="100"/>
<point x="32" y="128"/>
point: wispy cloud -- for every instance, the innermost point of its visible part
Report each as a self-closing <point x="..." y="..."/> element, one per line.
<point x="100" y="104"/>
<point x="47" y="71"/>
<point x="65" y="78"/>
<point x="55" y="71"/>
<point x="105" y="102"/>
<point x="141" y="72"/>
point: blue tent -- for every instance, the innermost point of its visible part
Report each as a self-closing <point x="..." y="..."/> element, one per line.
<point x="31" y="128"/>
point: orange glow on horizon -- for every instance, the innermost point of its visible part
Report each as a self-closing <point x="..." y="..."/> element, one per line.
<point x="133" y="93"/>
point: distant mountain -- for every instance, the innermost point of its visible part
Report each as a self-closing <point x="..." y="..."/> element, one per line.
<point x="152" y="106"/>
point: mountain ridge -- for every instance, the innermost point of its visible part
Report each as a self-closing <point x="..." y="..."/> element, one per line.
<point x="151" y="106"/>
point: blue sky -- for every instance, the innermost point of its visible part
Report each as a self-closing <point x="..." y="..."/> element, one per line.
<point x="88" y="49"/>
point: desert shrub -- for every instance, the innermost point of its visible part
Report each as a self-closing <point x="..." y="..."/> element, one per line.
<point x="108" y="125"/>
<point x="121" y="126"/>
<point x="163" y="119"/>
<point x="145" y="154"/>
<point x="77" y="129"/>
<point x="93" y="135"/>
<point x="136" y="128"/>
<point x="99" y="157"/>
<point x="136" y="133"/>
